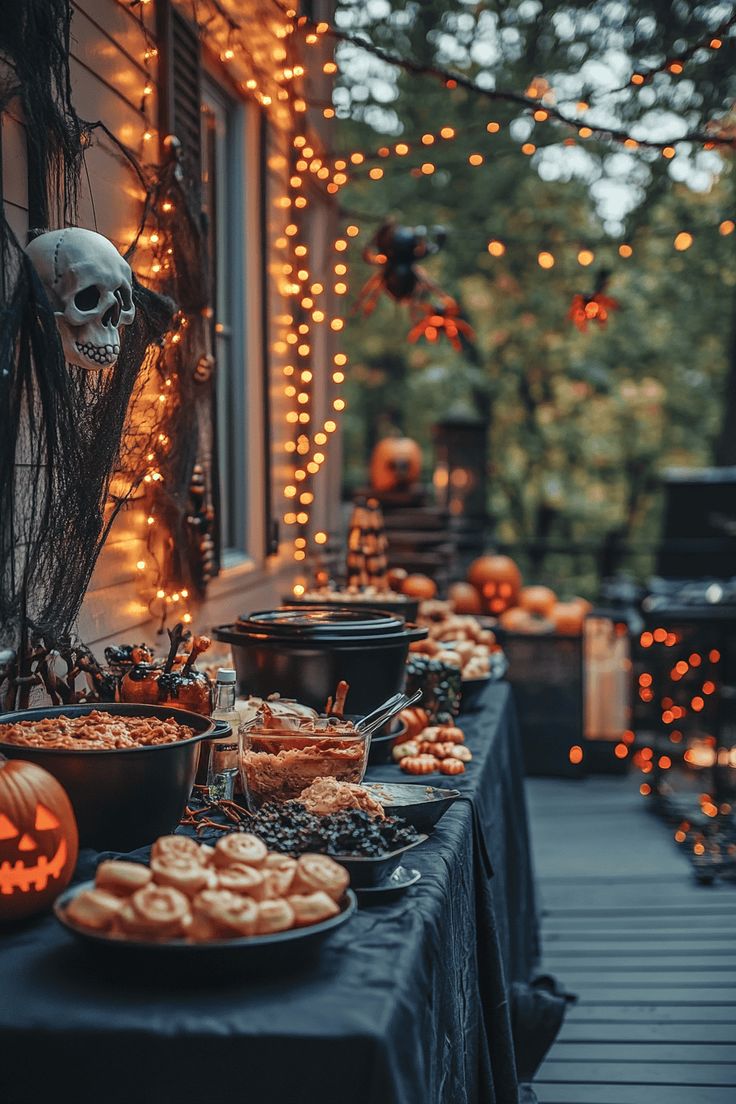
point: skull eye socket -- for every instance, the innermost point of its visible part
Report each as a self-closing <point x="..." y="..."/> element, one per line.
<point x="87" y="298"/>
<point x="7" y="828"/>
<point x="45" y="819"/>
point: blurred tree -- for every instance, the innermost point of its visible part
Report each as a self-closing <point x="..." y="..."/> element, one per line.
<point x="582" y="423"/>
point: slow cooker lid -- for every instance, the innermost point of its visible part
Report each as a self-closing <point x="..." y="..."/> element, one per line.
<point x="318" y="622"/>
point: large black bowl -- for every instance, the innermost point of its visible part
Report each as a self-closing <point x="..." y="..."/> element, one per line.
<point x="303" y="652"/>
<point x="123" y="799"/>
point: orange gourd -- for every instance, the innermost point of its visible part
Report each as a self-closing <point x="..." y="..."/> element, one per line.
<point x="38" y="839"/>
<point x="465" y="598"/>
<point x="537" y="600"/>
<point x="396" y="578"/>
<point x="452" y="766"/>
<point x="498" y="580"/>
<point x="419" y="764"/>
<point x="568" y="618"/>
<point x="515" y="620"/>
<point x="419" y="586"/>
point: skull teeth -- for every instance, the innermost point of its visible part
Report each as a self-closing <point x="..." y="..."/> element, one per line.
<point x="100" y="354"/>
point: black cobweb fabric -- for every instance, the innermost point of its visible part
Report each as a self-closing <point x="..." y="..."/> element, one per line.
<point x="60" y="426"/>
<point x="185" y="279"/>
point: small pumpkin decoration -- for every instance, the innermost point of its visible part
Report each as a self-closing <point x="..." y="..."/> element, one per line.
<point x="38" y="839"/>
<point x="585" y="606"/>
<point x="396" y="463"/>
<point x="516" y="620"/>
<point x="538" y="600"/>
<point x="498" y="580"/>
<point x="419" y="586"/>
<point x="140" y="684"/>
<point x="465" y="598"/>
<point x="177" y="683"/>
<point x="182" y="686"/>
<point x="396" y="577"/>
<point x="568" y="618"/>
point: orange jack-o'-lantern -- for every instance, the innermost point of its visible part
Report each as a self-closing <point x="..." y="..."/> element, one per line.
<point x="465" y="598"/>
<point x="498" y="580"/>
<point x="537" y="600"/>
<point x="38" y="839"/>
<point x="419" y="586"/>
<point x="395" y="464"/>
<point x="568" y="618"/>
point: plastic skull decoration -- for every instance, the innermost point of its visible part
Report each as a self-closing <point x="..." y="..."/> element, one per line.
<point x="90" y="287"/>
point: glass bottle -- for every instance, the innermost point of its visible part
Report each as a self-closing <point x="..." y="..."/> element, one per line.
<point x="222" y="769"/>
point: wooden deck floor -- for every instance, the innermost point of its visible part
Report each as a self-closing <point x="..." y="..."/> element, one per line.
<point x="651" y="955"/>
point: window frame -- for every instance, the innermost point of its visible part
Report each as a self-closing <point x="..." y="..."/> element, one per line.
<point x="232" y="304"/>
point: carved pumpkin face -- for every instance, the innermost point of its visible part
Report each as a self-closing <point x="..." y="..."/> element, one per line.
<point x="499" y="581"/>
<point x="38" y="839"/>
<point x="395" y="464"/>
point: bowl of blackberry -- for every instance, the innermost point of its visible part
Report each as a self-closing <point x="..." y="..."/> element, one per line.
<point x="370" y="847"/>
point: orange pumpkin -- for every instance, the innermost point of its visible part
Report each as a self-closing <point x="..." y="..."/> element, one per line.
<point x="498" y="580"/>
<point x="38" y="839"/>
<point x="396" y="578"/>
<point x="515" y="620"/>
<point x="396" y="464"/>
<point x="568" y="618"/>
<point x="583" y="603"/>
<point x="465" y="598"/>
<point x="416" y="721"/>
<point x="419" y="586"/>
<point x="538" y="600"/>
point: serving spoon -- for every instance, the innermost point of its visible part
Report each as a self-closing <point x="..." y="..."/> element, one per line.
<point x="386" y="711"/>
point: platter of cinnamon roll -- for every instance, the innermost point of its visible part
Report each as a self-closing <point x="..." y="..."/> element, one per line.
<point x="235" y="896"/>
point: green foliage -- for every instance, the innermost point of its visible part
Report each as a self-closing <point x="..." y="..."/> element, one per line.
<point x="581" y="423"/>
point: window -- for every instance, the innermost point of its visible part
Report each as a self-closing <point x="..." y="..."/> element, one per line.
<point x="223" y="185"/>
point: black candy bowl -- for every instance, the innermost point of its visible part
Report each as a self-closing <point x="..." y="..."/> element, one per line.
<point x="126" y="798"/>
<point x="303" y="652"/>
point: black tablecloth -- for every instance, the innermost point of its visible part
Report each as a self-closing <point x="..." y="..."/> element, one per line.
<point x="407" y="1003"/>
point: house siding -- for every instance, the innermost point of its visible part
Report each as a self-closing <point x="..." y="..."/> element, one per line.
<point x="108" y="76"/>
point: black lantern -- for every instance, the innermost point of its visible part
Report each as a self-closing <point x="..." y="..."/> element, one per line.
<point x="461" y="475"/>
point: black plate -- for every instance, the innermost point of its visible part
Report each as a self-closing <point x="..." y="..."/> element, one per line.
<point x="254" y="953"/>
<point x="369" y="870"/>
<point x="420" y="805"/>
<point x="402" y="879"/>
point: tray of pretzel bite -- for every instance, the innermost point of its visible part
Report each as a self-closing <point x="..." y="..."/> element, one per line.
<point x="192" y="899"/>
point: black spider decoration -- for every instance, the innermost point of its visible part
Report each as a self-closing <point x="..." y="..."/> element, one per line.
<point x="397" y="249"/>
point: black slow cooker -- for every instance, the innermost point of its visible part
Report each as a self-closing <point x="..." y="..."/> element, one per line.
<point x="303" y="652"/>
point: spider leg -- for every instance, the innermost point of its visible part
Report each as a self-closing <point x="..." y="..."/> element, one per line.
<point x="369" y="293"/>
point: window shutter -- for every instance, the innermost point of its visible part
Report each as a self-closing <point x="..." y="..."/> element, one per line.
<point x="180" y="85"/>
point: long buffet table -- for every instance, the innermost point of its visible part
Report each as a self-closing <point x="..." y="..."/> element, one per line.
<point x="407" y="1003"/>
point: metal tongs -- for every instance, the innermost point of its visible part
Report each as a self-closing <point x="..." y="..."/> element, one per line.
<point x="385" y="712"/>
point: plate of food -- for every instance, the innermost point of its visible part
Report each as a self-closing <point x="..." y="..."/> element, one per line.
<point x="418" y="805"/>
<point x="235" y="902"/>
<point x="342" y="821"/>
